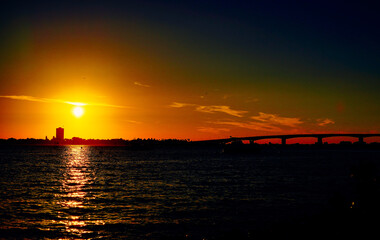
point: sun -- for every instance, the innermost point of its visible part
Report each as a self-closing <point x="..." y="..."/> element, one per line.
<point x="78" y="111"/>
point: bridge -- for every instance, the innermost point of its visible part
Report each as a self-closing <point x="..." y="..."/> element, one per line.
<point x="319" y="137"/>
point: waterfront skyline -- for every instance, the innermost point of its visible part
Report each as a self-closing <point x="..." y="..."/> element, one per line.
<point x="109" y="69"/>
<point x="346" y="139"/>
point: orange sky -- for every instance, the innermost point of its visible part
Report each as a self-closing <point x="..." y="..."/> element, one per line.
<point x="148" y="78"/>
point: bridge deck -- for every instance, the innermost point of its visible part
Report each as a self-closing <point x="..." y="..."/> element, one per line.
<point x="360" y="136"/>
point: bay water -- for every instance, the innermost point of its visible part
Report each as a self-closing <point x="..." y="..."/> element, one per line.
<point x="84" y="192"/>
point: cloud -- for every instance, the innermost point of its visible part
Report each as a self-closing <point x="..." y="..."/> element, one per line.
<point x="258" y="126"/>
<point x="141" y="84"/>
<point x="44" y="100"/>
<point x="107" y="105"/>
<point x="53" y="100"/>
<point x="210" y="109"/>
<point x="132" y="121"/>
<point x="264" y="122"/>
<point x="223" y="109"/>
<point x="180" y="105"/>
<point x="324" y="122"/>
<point x="30" y="98"/>
<point x="277" y="120"/>
<point x="76" y="103"/>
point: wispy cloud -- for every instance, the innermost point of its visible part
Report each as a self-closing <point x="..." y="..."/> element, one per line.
<point x="141" y="84"/>
<point x="222" y="109"/>
<point x="180" y="105"/>
<point x="34" y="99"/>
<point x="107" y="105"/>
<point x="54" y="100"/>
<point x="324" y="122"/>
<point x="264" y="122"/>
<point x="76" y="103"/>
<point x="258" y="126"/>
<point x="132" y="121"/>
<point x="210" y="108"/>
<point x="277" y="120"/>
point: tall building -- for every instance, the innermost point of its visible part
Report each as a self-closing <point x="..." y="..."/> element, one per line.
<point x="59" y="133"/>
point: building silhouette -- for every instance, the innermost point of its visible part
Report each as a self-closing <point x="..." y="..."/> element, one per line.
<point x="59" y="134"/>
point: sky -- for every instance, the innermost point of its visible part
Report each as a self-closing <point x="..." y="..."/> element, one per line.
<point x="188" y="69"/>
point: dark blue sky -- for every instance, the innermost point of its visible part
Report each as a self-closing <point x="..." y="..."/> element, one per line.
<point x="316" y="35"/>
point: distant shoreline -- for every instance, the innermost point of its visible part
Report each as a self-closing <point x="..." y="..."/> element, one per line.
<point x="147" y="144"/>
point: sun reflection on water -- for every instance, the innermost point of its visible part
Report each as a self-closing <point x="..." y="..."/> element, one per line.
<point x="76" y="192"/>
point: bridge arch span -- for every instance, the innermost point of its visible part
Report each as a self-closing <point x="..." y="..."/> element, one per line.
<point x="320" y="137"/>
<point x="302" y="140"/>
<point x="338" y="139"/>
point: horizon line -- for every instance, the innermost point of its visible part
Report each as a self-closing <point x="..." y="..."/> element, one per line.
<point x="274" y="136"/>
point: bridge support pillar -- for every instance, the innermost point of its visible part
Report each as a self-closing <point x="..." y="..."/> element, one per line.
<point x="283" y="141"/>
<point x="361" y="140"/>
<point x="320" y="141"/>
<point x="251" y="141"/>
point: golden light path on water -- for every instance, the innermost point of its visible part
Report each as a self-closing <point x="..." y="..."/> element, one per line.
<point x="78" y="175"/>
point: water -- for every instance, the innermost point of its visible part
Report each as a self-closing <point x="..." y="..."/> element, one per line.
<point x="81" y="192"/>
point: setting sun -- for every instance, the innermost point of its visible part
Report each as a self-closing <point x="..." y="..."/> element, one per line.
<point x="78" y="111"/>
